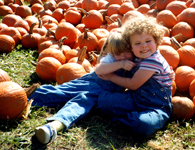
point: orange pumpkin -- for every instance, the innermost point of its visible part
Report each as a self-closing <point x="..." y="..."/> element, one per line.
<point x="125" y="7"/>
<point x="68" y="30"/>
<point x="4" y="76"/>
<point x="183" y="108"/>
<point x="176" y="7"/>
<point x="161" y="4"/>
<point x="190" y="42"/>
<point x="52" y="52"/>
<point x="73" y="16"/>
<point x="92" y="19"/>
<point x="13" y="100"/>
<point x="30" y="40"/>
<point x="4" y="10"/>
<point x="13" y="32"/>
<point x="187" y="55"/>
<point x="187" y="15"/>
<point x="69" y="71"/>
<point x="47" y="67"/>
<point x="88" y="39"/>
<point x="170" y="54"/>
<point x="184" y="75"/>
<point x="89" y="5"/>
<point x="130" y="14"/>
<point x="192" y="89"/>
<point x="7" y="43"/>
<point x="144" y="8"/>
<point x="11" y="19"/>
<point x="166" y="18"/>
<point x="173" y="88"/>
<point x="113" y="9"/>
<point x="183" y="28"/>
<point x="81" y="60"/>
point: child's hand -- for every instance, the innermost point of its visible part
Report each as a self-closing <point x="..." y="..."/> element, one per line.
<point x="127" y="64"/>
<point x="172" y="74"/>
<point x="106" y="76"/>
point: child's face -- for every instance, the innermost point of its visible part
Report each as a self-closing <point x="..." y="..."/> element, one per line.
<point x="143" y="45"/>
<point x="124" y="56"/>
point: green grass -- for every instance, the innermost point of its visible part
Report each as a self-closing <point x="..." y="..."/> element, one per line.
<point x="93" y="132"/>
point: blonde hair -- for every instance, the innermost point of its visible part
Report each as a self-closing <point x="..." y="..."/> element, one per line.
<point x="141" y="25"/>
<point x="115" y="44"/>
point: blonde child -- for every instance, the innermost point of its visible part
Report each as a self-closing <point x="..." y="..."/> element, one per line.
<point x="147" y="105"/>
<point x="80" y="95"/>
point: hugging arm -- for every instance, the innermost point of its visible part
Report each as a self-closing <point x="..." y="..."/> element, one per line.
<point x="139" y="78"/>
<point x="105" y="68"/>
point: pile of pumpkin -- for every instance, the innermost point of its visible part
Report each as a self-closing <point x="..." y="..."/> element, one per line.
<point x="69" y="34"/>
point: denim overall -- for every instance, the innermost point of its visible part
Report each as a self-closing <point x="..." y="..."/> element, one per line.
<point x="144" y="110"/>
<point x="79" y="96"/>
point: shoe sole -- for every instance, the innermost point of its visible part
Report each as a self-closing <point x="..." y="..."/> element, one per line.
<point x="40" y="134"/>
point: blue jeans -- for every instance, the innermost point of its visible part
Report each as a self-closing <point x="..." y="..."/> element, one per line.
<point x="79" y="97"/>
<point x="144" y="110"/>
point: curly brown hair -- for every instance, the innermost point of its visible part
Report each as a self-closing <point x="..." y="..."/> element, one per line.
<point x="141" y="25"/>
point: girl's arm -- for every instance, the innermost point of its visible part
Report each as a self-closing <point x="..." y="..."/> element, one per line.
<point x="138" y="79"/>
<point x="105" y="68"/>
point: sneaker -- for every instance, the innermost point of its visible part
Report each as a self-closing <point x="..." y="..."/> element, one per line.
<point x="46" y="133"/>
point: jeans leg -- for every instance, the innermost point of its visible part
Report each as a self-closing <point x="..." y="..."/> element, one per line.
<point x="75" y="109"/>
<point x="49" y="95"/>
<point x="146" y="122"/>
<point x="114" y="104"/>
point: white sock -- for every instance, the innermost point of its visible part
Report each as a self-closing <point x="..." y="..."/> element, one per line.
<point x="58" y="125"/>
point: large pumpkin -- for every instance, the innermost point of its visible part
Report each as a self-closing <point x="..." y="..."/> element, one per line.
<point x="13" y="100"/>
<point x="183" y="108"/>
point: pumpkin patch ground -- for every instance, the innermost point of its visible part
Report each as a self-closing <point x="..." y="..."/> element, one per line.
<point x="36" y="46"/>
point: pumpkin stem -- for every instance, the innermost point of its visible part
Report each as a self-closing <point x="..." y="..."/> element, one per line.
<point x="119" y="22"/>
<point x="152" y="5"/>
<point x="27" y="110"/>
<point x="83" y="11"/>
<point x="61" y="41"/>
<point x="20" y="2"/>
<point x="85" y="33"/>
<point x="109" y="20"/>
<point x="31" y="27"/>
<point x="30" y="90"/>
<point x="92" y="57"/>
<point x="40" y="22"/>
<point x="82" y="54"/>
<point x="174" y="40"/>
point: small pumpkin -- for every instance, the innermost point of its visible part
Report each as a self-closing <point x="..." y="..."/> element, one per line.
<point x="166" y="18"/>
<point x="170" y="54"/>
<point x="4" y="76"/>
<point x="88" y="39"/>
<point x="68" y="30"/>
<point x="7" y="43"/>
<point x="183" y="108"/>
<point x="13" y="100"/>
<point x="30" y="40"/>
<point x="187" y="55"/>
<point x="184" y="75"/>
<point x="47" y="67"/>
<point x="192" y="89"/>
<point x="92" y="19"/>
